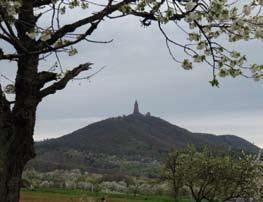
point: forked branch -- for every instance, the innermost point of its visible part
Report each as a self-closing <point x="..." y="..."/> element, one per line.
<point x="61" y="84"/>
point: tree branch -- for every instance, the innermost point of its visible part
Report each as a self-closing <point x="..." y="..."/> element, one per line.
<point x="150" y="15"/>
<point x="72" y="27"/>
<point x="7" y="56"/>
<point x="39" y="3"/>
<point x="45" y="77"/>
<point x="91" y="29"/>
<point x="7" y="39"/>
<point x="61" y="84"/>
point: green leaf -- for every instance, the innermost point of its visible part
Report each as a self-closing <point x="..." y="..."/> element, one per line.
<point x="214" y="82"/>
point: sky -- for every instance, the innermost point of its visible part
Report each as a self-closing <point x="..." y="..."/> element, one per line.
<point x="138" y="66"/>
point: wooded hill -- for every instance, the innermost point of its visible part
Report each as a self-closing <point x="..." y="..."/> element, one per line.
<point x="135" y="144"/>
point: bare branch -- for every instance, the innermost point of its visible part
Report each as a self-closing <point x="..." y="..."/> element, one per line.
<point x="7" y="39"/>
<point x="91" y="75"/>
<point x="39" y="3"/>
<point x="8" y="56"/>
<point x="61" y="84"/>
<point x="45" y="77"/>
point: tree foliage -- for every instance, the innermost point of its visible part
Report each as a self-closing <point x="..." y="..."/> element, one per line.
<point x="173" y="172"/>
<point x="209" y="177"/>
<point x="206" y="24"/>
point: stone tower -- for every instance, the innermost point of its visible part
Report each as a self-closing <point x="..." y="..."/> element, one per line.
<point x="136" y="108"/>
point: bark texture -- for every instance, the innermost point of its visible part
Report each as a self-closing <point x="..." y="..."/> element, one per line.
<point x="17" y="128"/>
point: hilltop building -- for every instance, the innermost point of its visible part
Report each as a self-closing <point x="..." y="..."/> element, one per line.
<point x="136" y="110"/>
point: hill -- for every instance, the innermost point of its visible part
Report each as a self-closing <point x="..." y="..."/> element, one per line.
<point x="134" y="144"/>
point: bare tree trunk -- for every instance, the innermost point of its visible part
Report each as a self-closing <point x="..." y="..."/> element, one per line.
<point x="5" y="134"/>
<point x="17" y="128"/>
<point x="10" y="182"/>
<point x="16" y="156"/>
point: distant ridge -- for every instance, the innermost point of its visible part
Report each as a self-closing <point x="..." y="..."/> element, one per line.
<point x="135" y="144"/>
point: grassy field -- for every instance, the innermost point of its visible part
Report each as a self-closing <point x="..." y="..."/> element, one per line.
<point x="60" y="195"/>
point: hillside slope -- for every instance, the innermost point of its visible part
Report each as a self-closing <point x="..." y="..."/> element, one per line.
<point x="134" y="144"/>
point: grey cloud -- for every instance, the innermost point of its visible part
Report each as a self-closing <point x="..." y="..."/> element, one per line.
<point x="139" y="67"/>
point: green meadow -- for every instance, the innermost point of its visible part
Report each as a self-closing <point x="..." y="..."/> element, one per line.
<point x="59" y="195"/>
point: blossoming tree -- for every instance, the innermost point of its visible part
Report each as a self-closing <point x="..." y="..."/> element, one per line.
<point x="33" y="30"/>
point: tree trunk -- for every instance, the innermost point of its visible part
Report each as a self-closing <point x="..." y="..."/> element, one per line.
<point x="10" y="181"/>
<point x="16" y="156"/>
<point x="17" y="128"/>
<point x="175" y="189"/>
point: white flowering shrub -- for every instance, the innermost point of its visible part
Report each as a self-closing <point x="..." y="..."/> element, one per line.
<point x="74" y="179"/>
<point x="45" y="184"/>
<point x="114" y="187"/>
<point x="84" y="185"/>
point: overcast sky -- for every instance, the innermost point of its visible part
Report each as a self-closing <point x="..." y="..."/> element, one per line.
<point x="138" y="66"/>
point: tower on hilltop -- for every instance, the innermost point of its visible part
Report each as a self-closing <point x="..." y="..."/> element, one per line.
<point x="136" y="108"/>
